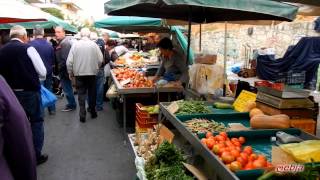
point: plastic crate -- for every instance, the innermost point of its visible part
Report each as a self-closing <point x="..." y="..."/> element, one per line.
<point x="292" y="77"/>
<point x="307" y="125"/>
<point x="144" y="113"/>
<point x="140" y="129"/>
<point x="146" y="120"/>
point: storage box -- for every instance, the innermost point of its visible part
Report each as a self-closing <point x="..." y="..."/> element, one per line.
<point x="205" y="59"/>
<point x="307" y="125"/>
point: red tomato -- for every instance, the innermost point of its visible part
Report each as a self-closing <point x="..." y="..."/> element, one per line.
<point x="244" y="156"/>
<point x="238" y="148"/>
<point x="234" y="140"/>
<point x="235" y="153"/>
<point x="248" y="166"/>
<point x="262" y="157"/>
<point x="228" y="143"/>
<point x="209" y="134"/>
<point x="224" y="134"/>
<point x="253" y="157"/>
<point x="242" y="140"/>
<point x="248" y="150"/>
<point x="227" y="157"/>
<point x="269" y="165"/>
<point x="237" y="144"/>
<point x="235" y="166"/>
<point x="204" y="141"/>
<point x="220" y="138"/>
<point x="241" y="161"/>
<point x="210" y="143"/>
<point x="258" y="164"/>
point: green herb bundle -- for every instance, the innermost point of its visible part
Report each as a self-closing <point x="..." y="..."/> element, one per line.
<point x="166" y="164"/>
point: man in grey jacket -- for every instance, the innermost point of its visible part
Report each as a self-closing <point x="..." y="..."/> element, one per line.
<point x="83" y="62"/>
<point x="62" y="52"/>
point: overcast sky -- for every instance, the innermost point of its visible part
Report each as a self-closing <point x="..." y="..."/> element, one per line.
<point x="93" y="8"/>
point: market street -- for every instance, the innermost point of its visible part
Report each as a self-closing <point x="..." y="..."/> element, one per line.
<point x="85" y="151"/>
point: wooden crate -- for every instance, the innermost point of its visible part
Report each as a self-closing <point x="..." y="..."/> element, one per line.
<point x="307" y="125"/>
<point x="292" y="113"/>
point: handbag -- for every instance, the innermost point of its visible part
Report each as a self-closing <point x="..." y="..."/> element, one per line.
<point x="47" y="97"/>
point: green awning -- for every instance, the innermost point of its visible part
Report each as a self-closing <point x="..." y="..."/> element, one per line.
<point x="183" y="42"/>
<point x="129" y="24"/>
<point x="51" y="23"/>
<point x="204" y="11"/>
<point x="308" y="2"/>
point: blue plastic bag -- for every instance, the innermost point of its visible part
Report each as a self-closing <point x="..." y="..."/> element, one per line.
<point x="47" y="97"/>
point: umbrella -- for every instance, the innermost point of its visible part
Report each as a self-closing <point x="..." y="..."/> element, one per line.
<point x="129" y="24"/>
<point x="14" y="11"/>
<point x="203" y="11"/>
<point x="51" y="22"/>
<point x="308" y="2"/>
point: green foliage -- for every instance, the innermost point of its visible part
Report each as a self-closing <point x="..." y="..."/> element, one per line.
<point x="54" y="12"/>
<point x="166" y="164"/>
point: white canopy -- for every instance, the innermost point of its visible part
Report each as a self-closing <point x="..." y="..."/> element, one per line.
<point x="12" y="11"/>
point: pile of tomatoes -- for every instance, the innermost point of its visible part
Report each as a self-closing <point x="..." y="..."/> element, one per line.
<point x="233" y="154"/>
<point x="137" y="79"/>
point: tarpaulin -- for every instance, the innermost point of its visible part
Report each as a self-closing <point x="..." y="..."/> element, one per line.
<point x="304" y="56"/>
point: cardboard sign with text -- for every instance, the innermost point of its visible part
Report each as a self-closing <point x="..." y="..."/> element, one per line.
<point x="240" y="104"/>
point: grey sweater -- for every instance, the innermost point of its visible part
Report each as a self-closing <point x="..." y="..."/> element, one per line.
<point x="176" y="65"/>
<point x="84" y="58"/>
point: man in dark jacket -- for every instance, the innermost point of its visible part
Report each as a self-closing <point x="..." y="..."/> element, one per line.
<point x="22" y="67"/>
<point x="46" y="52"/>
<point x="62" y="52"/>
<point x="17" y="157"/>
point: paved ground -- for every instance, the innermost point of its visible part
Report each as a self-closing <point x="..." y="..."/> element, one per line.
<point x="90" y="151"/>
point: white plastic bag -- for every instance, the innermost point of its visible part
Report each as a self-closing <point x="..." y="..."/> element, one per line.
<point x="206" y="79"/>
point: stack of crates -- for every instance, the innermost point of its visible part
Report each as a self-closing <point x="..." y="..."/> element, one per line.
<point x="144" y="120"/>
<point x="292" y="79"/>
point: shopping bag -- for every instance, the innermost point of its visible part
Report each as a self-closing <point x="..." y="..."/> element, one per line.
<point x="47" y="97"/>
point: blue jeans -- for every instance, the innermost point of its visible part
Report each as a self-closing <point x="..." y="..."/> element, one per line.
<point x="38" y="137"/>
<point x="31" y="103"/>
<point x="100" y="88"/>
<point x="48" y="84"/>
<point x="68" y="92"/>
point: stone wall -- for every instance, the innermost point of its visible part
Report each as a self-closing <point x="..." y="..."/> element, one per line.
<point x="278" y="37"/>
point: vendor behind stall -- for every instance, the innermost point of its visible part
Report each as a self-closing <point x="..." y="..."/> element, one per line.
<point x="173" y="64"/>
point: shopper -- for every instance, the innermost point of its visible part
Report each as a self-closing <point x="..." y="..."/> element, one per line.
<point x="62" y="52"/>
<point x="83" y="63"/>
<point x="105" y="37"/>
<point x="46" y="52"/>
<point x="17" y="157"/>
<point x="22" y="66"/>
<point x="101" y="79"/>
<point x="173" y="64"/>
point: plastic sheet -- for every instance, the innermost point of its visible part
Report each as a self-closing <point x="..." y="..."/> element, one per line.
<point x="206" y="79"/>
<point x="306" y="151"/>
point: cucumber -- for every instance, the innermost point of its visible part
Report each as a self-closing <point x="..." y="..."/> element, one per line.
<point x="219" y="105"/>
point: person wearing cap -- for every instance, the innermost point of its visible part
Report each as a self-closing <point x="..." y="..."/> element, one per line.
<point x="46" y="52"/>
<point x="23" y="68"/>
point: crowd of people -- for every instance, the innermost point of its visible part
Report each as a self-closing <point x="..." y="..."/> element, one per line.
<point x="26" y="65"/>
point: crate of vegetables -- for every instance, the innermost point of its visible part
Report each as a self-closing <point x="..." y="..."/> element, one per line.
<point x="246" y="153"/>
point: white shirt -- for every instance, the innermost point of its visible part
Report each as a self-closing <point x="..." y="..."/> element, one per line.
<point x="36" y="61"/>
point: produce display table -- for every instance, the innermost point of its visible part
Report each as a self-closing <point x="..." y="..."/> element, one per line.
<point x="258" y="139"/>
<point x="124" y="93"/>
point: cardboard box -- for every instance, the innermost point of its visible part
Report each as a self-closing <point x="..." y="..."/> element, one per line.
<point x="206" y="59"/>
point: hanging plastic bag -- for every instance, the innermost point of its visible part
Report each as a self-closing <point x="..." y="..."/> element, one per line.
<point x="47" y="97"/>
